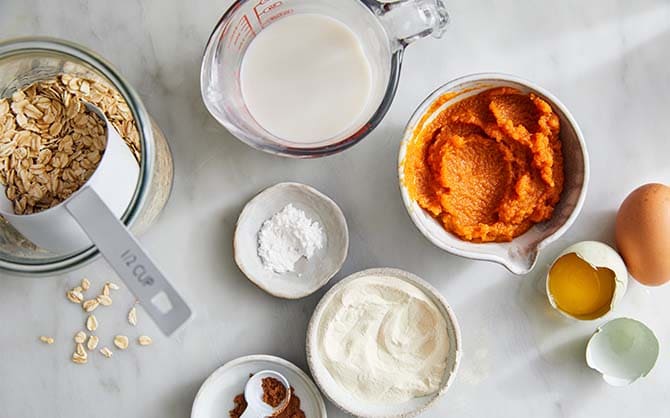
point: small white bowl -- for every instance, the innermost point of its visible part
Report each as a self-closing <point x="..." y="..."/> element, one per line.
<point x="519" y="255"/>
<point x="311" y="274"/>
<point x="215" y="397"/>
<point x="344" y="400"/>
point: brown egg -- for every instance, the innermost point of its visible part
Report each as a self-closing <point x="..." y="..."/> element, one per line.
<point x="643" y="234"/>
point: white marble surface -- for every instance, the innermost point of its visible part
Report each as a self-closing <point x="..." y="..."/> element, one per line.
<point x="607" y="60"/>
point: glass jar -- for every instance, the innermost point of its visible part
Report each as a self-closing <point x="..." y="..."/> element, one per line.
<point x="27" y="60"/>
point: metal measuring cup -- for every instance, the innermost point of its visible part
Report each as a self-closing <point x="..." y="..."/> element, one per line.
<point x="90" y="216"/>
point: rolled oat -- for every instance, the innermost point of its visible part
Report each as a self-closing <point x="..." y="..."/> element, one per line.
<point x="50" y="144"/>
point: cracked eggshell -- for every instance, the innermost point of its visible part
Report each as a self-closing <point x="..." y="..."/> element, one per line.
<point x="623" y="350"/>
<point x="598" y="255"/>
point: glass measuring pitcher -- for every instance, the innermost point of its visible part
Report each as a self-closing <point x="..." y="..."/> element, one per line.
<point x="383" y="28"/>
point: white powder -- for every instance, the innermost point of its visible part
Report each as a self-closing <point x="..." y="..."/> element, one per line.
<point x="286" y="238"/>
<point x="384" y="340"/>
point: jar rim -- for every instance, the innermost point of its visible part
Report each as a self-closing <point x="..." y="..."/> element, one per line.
<point x="16" y="46"/>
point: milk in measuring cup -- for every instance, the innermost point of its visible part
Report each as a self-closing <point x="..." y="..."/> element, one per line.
<point x="305" y="78"/>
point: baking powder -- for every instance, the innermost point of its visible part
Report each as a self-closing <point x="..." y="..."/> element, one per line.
<point x="287" y="237"/>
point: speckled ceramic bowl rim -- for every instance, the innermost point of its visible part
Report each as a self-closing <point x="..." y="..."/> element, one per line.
<point x="413" y="279"/>
<point x="455" y="85"/>
<point x="261" y="357"/>
<point x="339" y="262"/>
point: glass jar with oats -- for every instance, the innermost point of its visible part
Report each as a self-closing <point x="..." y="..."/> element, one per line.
<point x="49" y="146"/>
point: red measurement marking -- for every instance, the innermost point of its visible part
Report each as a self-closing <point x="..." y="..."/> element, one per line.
<point x="264" y="7"/>
<point x="279" y="15"/>
<point x="241" y="32"/>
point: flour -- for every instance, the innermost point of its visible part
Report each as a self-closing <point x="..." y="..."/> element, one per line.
<point x="384" y="340"/>
<point x="287" y="237"/>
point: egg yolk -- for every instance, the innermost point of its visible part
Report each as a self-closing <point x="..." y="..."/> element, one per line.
<point x="580" y="290"/>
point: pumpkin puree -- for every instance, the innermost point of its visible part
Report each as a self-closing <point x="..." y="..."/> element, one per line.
<point x="488" y="167"/>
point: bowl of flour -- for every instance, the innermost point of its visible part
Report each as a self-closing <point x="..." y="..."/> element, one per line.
<point x="383" y="343"/>
<point x="290" y="240"/>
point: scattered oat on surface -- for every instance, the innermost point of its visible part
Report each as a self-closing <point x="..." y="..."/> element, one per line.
<point x="74" y="296"/>
<point x="76" y="358"/>
<point x="79" y="349"/>
<point x="121" y="341"/>
<point x="91" y="323"/>
<point x="80" y="337"/>
<point x="50" y="143"/>
<point x="79" y="356"/>
<point x="132" y="316"/>
<point x="86" y="343"/>
<point x="104" y="300"/>
<point x="90" y="305"/>
<point x="92" y="342"/>
<point x="46" y="340"/>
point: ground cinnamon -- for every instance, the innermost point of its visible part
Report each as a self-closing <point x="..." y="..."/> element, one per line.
<point x="274" y="391"/>
<point x="240" y="406"/>
<point x="292" y="410"/>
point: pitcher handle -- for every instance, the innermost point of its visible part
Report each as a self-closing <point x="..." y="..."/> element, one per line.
<point x="406" y="21"/>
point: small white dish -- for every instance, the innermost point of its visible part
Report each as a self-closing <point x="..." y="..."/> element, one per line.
<point x="311" y="274"/>
<point x="215" y="397"/>
<point x="519" y="255"/>
<point x="354" y="406"/>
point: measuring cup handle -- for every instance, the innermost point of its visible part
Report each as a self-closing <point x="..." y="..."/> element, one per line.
<point x="409" y="20"/>
<point x="122" y="251"/>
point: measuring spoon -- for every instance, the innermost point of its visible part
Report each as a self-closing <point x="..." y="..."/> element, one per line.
<point x="253" y="394"/>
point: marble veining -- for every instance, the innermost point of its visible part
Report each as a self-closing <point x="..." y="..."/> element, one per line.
<point x="607" y="60"/>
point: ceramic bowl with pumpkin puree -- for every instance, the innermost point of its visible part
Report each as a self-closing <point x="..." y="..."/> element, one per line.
<point x="493" y="167"/>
